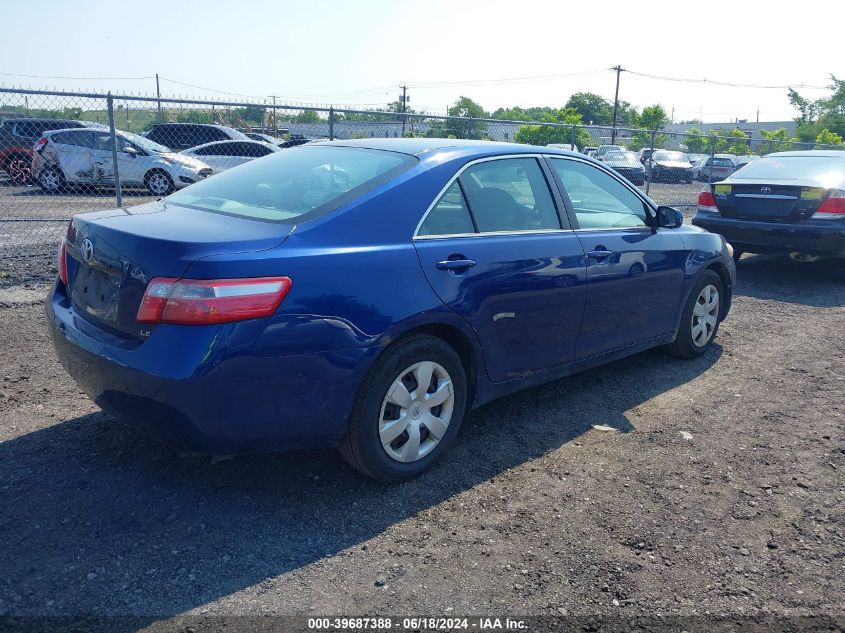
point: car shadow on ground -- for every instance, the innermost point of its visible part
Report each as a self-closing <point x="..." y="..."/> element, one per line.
<point x="819" y="284"/>
<point x="97" y="519"/>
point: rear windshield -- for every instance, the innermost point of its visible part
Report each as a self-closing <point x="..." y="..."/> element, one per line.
<point x="671" y="156"/>
<point x="295" y="184"/>
<point x="820" y="168"/>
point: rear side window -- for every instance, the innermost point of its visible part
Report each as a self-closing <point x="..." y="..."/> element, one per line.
<point x="77" y="139"/>
<point x="510" y="195"/>
<point x="450" y="216"/>
<point x="295" y="185"/>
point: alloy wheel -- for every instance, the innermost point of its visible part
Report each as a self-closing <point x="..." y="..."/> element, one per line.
<point x="19" y="171"/>
<point x="416" y="411"/>
<point x="158" y="183"/>
<point x="50" y="180"/>
<point x="705" y="315"/>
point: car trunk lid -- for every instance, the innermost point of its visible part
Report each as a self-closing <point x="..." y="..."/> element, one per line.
<point x="113" y="255"/>
<point x="761" y="200"/>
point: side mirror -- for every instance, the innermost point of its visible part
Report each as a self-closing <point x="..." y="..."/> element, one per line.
<point x="669" y="218"/>
<point x="131" y="151"/>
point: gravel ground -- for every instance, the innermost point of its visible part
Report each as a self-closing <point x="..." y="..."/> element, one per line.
<point x="721" y="492"/>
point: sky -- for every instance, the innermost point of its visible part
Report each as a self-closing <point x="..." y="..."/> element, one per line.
<point x="499" y="53"/>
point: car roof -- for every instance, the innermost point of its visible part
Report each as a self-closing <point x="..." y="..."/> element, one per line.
<point x="230" y="140"/>
<point x="418" y="146"/>
<point x="818" y="153"/>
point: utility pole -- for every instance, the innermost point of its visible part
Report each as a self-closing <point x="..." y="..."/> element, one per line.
<point x="275" y="125"/>
<point x="403" y="99"/>
<point x="618" y="70"/>
<point x="673" y="114"/>
<point x="758" y="114"/>
<point x="158" y="95"/>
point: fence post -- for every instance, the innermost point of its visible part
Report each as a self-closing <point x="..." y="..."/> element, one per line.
<point x="712" y="153"/>
<point x="331" y="124"/>
<point x="650" y="164"/>
<point x="574" y="138"/>
<point x="117" y="191"/>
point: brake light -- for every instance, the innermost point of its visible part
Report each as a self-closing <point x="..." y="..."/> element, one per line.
<point x="39" y="145"/>
<point x="706" y="202"/>
<point x="207" y="301"/>
<point x="63" y="261"/>
<point x="833" y="208"/>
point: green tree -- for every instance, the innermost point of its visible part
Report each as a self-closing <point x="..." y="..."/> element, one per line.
<point x="452" y="128"/>
<point x="824" y="113"/>
<point x="307" y="116"/>
<point x="253" y="115"/>
<point x="696" y="142"/>
<point x="194" y="116"/>
<point x="594" y="109"/>
<point x="546" y="134"/>
<point x="829" y="140"/>
<point x="777" y="140"/>
<point x="651" y="118"/>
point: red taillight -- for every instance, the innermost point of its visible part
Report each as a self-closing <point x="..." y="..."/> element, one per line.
<point x="63" y="261"/>
<point x="706" y="199"/>
<point x="832" y="208"/>
<point x="207" y="301"/>
<point x="40" y="144"/>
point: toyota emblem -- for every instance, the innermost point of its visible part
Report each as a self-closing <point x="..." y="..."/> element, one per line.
<point x="765" y="190"/>
<point x="86" y="250"/>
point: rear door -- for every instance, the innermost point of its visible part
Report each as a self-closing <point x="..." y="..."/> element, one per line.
<point x="635" y="273"/>
<point x="73" y="151"/>
<point x="494" y="250"/>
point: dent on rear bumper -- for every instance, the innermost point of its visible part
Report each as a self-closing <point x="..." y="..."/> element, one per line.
<point x="175" y="387"/>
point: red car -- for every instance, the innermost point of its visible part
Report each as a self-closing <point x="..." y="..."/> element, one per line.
<point x="17" y="136"/>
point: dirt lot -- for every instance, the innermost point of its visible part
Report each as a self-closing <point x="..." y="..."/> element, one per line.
<point x="721" y="493"/>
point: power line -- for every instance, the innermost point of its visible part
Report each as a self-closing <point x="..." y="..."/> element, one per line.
<point x="504" y="80"/>
<point x="726" y="83"/>
<point x="76" y="78"/>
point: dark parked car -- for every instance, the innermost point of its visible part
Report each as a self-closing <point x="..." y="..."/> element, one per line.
<point x="787" y="202"/>
<point x="626" y="164"/>
<point x="668" y="166"/>
<point x="17" y="136"/>
<point x="367" y="294"/>
<point x="179" y="136"/>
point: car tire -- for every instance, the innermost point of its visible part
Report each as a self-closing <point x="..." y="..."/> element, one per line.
<point x="386" y="452"/>
<point x="51" y="180"/>
<point x="158" y="182"/>
<point x="19" y="168"/>
<point x="691" y="340"/>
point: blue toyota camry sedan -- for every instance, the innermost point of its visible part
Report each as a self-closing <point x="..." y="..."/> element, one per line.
<point x="367" y="294"/>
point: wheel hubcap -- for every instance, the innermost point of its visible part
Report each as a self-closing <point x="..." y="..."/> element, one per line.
<point x="705" y="315"/>
<point x="158" y="183"/>
<point x="416" y="411"/>
<point x="50" y="180"/>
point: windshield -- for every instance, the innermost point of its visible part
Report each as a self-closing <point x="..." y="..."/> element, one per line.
<point x="285" y="186"/>
<point x="671" y="156"/>
<point x="144" y="143"/>
<point x="827" y="170"/>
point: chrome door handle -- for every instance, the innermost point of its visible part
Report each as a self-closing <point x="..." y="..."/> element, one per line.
<point x="456" y="264"/>
<point x="600" y="254"/>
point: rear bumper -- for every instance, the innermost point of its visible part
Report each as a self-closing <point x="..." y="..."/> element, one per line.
<point x="771" y="237"/>
<point x="187" y="386"/>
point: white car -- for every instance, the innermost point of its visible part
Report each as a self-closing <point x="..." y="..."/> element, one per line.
<point x="83" y="156"/>
<point x="223" y="155"/>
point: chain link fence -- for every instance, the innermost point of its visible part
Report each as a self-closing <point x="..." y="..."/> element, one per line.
<point x="63" y="153"/>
